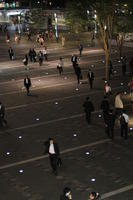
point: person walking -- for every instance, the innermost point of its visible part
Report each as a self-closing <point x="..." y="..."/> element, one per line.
<point x="110" y="124"/>
<point x="40" y="58"/>
<point x="105" y="109"/>
<point x="67" y="194"/>
<point x="88" y="108"/>
<point x="130" y="84"/>
<point x="94" y="196"/>
<point x="90" y="76"/>
<point x="74" y="60"/>
<point x="60" y="66"/>
<point x="27" y="84"/>
<point x="108" y="90"/>
<point x="30" y="55"/>
<point x="80" y="49"/>
<point x="124" y="67"/>
<point x="110" y="69"/>
<point x="3" y="121"/>
<point x="25" y="61"/>
<point x="52" y="149"/>
<point x="63" y="41"/>
<point x="118" y="104"/>
<point x="11" y="53"/>
<point x="78" y="73"/>
<point x="131" y="66"/>
<point x="45" y="54"/>
<point x="124" y="119"/>
<point x="34" y="55"/>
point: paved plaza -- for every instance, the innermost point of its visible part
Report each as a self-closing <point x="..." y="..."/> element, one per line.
<point x="91" y="161"/>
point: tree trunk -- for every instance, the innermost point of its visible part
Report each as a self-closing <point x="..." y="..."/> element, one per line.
<point x="106" y="65"/>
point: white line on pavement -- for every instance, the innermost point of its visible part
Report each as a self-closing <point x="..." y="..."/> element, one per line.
<point x="62" y="152"/>
<point x="56" y="99"/>
<point x="118" y="191"/>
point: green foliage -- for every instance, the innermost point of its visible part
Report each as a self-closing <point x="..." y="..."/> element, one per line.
<point x="76" y="15"/>
<point x="36" y="18"/>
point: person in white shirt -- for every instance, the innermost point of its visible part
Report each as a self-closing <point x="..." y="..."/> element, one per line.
<point x="54" y="154"/>
<point x="60" y="66"/>
<point x="124" y="119"/>
<point x="118" y="104"/>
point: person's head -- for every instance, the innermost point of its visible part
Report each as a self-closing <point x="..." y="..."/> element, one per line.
<point x="67" y="192"/>
<point x="111" y="110"/>
<point x="118" y="93"/>
<point x="124" y="111"/>
<point x="87" y="98"/>
<point x="51" y="141"/>
<point x="92" y="196"/>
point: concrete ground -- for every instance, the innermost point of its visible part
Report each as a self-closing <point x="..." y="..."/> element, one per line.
<point x="91" y="161"/>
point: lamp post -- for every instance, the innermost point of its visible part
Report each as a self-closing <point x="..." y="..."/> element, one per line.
<point x="95" y="17"/>
<point x="56" y="27"/>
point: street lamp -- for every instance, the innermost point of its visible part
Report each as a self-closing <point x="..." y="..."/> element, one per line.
<point x="95" y="17"/>
<point x="56" y="27"/>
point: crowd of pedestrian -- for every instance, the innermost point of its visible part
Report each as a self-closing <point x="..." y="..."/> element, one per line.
<point x="110" y="113"/>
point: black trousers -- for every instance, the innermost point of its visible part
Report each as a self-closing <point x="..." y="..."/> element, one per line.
<point x="91" y="83"/>
<point x="124" y="130"/>
<point x="110" y="131"/>
<point x="53" y="161"/>
<point x="27" y="89"/>
<point x="105" y="117"/>
<point x="2" y="121"/>
<point x="88" y="117"/>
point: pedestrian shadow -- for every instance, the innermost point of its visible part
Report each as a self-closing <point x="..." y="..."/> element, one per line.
<point x="33" y="95"/>
<point x="84" y="82"/>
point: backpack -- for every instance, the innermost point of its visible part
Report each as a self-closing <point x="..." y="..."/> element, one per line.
<point x="122" y="120"/>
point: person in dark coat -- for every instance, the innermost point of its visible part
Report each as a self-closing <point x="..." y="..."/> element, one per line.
<point x="11" y="53"/>
<point x="27" y="84"/>
<point x="110" y="69"/>
<point x="67" y="194"/>
<point x="25" y="61"/>
<point x="40" y="58"/>
<point x="124" y="67"/>
<point x="2" y="115"/>
<point x="105" y="108"/>
<point x="74" y="60"/>
<point x="31" y="55"/>
<point x="78" y="73"/>
<point x="80" y="49"/>
<point x="34" y="55"/>
<point x="110" y="124"/>
<point x="131" y="66"/>
<point x="94" y="196"/>
<point x="90" y="76"/>
<point x="88" y="108"/>
<point x="54" y="153"/>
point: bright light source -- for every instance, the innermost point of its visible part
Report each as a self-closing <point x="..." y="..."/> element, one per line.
<point x="20" y="137"/>
<point x="93" y="179"/>
<point x="37" y="119"/>
<point x="87" y="153"/>
<point x="8" y="153"/>
<point x="21" y="171"/>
